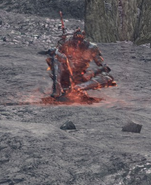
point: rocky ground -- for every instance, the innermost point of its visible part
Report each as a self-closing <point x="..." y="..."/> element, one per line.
<point x="33" y="148"/>
<point x="49" y="8"/>
<point x="29" y="30"/>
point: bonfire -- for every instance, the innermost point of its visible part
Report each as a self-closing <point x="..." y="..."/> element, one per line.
<point x="69" y="64"/>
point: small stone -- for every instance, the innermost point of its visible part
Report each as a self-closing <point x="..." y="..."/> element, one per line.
<point x="68" y="125"/>
<point x="132" y="127"/>
<point x="4" y="39"/>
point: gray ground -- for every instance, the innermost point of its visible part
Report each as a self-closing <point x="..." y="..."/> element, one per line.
<point x="33" y="149"/>
<point x="70" y="8"/>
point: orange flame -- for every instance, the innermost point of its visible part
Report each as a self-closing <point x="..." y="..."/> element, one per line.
<point x="49" y="68"/>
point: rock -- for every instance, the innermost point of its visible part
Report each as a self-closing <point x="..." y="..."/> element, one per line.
<point x="51" y="8"/>
<point x="132" y="127"/>
<point x="25" y="30"/>
<point x="143" y="27"/>
<point x="68" y="125"/>
<point x="118" y="20"/>
<point x="4" y="39"/>
<point x="100" y="20"/>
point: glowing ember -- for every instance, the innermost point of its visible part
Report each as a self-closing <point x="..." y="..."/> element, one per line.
<point x="70" y="98"/>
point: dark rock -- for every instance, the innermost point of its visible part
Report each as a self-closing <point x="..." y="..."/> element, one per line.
<point x="4" y="39"/>
<point x="68" y="125"/>
<point x="132" y="127"/>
